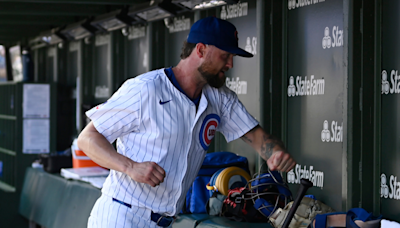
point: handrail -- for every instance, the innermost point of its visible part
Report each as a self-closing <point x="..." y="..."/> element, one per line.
<point x="8" y="117"/>
<point x="9" y="152"/>
<point x="6" y="187"/>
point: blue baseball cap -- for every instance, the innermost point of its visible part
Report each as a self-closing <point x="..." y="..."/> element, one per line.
<point x="217" y="32"/>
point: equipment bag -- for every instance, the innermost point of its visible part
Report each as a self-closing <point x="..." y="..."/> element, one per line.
<point x="354" y="218"/>
<point x="198" y="195"/>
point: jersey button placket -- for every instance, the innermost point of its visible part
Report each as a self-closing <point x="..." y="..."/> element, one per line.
<point x="191" y="114"/>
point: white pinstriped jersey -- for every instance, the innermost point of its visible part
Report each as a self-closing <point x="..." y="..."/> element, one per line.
<point x="153" y="121"/>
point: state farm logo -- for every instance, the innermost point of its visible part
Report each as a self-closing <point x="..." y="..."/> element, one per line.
<point x="134" y="32"/>
<point x="394" y="191"/>
<point x="237" y="86"/>
<point x="334" y="135"/>
<point x="251" y="45"/>
<point x="306" y="87"/>
<point x="234" y="10"/>
<point x="293" y="4"/>
<point x="102" y="92"/>
<point x="392" y="86"/>
<point x="316" y="177"/>
<point x="177" y="24"/>
<point x="337" y="36"/>
<point x="291" y="91"/>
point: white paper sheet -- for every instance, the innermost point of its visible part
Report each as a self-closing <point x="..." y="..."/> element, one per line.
<point x="36" y="103"/>
<point x="36" y="136"/>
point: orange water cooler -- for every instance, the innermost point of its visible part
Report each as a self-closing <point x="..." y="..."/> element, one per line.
<point x="79" y="159"/>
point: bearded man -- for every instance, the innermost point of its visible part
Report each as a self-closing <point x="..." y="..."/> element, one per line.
<point x="162" y="122"/>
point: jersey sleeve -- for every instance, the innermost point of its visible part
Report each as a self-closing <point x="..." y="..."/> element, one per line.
<point x="120" y="114"/>
<point x="236" y="120"/>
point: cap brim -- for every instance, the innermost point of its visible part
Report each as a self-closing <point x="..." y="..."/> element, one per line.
<point x="237" y="51"/>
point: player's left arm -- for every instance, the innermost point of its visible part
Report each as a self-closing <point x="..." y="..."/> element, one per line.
<point x="270" y="148"/>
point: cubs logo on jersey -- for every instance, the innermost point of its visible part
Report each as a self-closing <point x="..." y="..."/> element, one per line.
<point x="208" y="129"/>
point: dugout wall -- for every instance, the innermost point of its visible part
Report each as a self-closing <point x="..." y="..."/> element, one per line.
<point x="389" y="79"/>
<point x="316" y="97"/>
<point x="341" y="101"/>
<point x="324" y="78"/>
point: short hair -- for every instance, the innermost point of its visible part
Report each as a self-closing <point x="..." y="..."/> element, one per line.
<point x="187" y="49"/>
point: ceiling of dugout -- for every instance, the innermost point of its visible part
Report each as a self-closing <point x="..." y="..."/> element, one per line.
<point x="32" y="22"/>
<point x="23" y="20"/>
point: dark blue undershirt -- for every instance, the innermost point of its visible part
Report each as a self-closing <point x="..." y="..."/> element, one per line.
<point x="171" y="76"/>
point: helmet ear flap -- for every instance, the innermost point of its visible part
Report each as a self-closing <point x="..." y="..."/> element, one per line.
<point x="285" y="191"/>
<point x="264" y="206"/>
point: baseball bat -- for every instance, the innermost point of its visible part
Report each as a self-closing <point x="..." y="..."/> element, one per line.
<point x="304" y="185"/>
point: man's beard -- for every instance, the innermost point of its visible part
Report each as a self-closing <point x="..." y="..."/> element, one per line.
<point x="212" y="79"/>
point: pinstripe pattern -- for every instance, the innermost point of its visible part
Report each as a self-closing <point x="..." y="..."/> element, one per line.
<point x="109" y="214"/>
<point x="167" y="134"/>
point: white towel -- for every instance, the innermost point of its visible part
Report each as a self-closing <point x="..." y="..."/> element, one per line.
<point x="389" y="224"/>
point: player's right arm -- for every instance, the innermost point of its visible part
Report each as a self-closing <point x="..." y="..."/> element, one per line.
<point x="97" y="147"/>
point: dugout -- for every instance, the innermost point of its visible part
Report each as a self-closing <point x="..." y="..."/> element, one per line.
<point x="324" y="78"/>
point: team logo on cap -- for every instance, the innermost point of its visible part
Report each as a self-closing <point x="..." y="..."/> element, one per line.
<point x="236" y="35"/>
<point x="208" y="128"/>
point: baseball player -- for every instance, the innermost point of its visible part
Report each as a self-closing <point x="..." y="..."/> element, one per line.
<point x="164" y="121"/>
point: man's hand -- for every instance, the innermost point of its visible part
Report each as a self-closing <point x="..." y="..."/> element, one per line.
<point x="270" y="148"/>
<point x="280" y="161"/>
<point x="96" y="146"/>
<point x="147" y="172"/>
